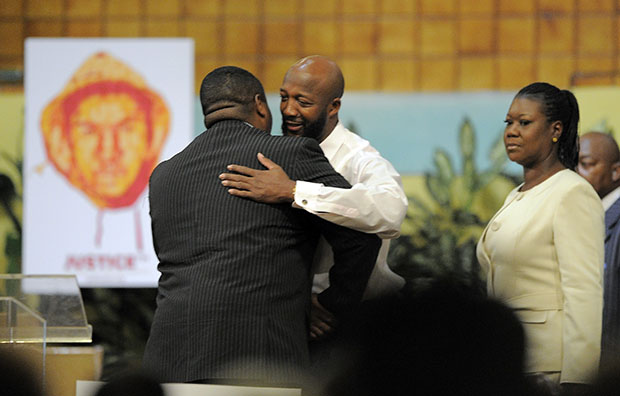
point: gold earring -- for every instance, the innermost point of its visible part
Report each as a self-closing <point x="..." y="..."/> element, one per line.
<point x="555" y="140"/>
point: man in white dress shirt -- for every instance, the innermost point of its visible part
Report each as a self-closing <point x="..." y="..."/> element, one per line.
<point x="599" y="163"/>
<point x="310" y="100"/>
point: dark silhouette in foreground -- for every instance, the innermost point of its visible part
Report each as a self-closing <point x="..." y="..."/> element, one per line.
<point x="443" y="340"/>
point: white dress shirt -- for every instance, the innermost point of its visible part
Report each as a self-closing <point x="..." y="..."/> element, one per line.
<point x="610" y="198"/>
<point x="376" y="203"/>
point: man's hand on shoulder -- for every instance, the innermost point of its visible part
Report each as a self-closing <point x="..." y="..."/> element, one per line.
<point x="269" y="186"/>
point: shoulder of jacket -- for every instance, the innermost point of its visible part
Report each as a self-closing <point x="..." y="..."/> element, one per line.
<point x="572" y="182"/>
<point x="301" y="143"/>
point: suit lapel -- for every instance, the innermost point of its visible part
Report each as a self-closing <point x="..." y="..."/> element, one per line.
<point x="612" y="215"/>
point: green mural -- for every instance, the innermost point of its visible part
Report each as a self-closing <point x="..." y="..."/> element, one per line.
<point x="11" y="204"/>
<point x="448" y="212"/>
<point x="11" y="159"/>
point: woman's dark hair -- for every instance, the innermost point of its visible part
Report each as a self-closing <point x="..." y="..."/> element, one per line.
<point x="558" y="105"/>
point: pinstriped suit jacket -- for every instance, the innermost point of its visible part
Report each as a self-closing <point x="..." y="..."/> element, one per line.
<point x="610" y="345"/>
<point x="235" y="283"/>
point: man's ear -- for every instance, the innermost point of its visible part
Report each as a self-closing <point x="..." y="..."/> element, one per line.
<point x="334" y="107"/>
<point x="261" y="106"/>
<point x="615" y="171"/>
<point x="261" y="119"/>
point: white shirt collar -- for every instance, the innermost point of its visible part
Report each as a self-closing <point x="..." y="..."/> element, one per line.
<point x="334" y="140"/>
<point x="610" y="198"/>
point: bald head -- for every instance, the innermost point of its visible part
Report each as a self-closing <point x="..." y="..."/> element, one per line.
<point x="324" y="71"/>
<point x="603" y="145"/>
<point x="599" y="161"/>
<point x="311" y="94"/>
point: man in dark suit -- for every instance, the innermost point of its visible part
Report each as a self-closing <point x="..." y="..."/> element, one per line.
<point x="599" y="163"/>
<point x="234" y="290"/>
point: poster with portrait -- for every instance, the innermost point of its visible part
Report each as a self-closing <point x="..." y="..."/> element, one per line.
<point x="100" y="114"/>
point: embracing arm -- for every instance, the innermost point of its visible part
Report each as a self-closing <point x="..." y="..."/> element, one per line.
<point x="579" y="239"/>
<point x="376" y="203"/>
<point x="355" y="252"/>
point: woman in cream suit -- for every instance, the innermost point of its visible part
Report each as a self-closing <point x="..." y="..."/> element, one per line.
<point x="542" y="252"/>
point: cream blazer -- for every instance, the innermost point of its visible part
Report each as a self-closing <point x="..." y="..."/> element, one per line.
<point x="542" y="254"/>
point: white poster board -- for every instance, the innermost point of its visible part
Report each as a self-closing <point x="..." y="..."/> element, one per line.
<point x="99" y="115"/>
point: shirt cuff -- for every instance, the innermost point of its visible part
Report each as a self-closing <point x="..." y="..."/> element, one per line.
<point x="312" y="198"/>
<point x="305" y="193"/>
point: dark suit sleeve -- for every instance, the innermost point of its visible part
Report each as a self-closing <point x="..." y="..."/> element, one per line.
<point x="355" y="252"/>
<point x="610" y="346"/>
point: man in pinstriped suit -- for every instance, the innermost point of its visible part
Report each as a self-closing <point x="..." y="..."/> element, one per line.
<point x="599" y="164"/>
<point x="234" y="290"/>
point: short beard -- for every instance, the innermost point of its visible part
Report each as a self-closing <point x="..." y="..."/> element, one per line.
<point x="312" y="130"/>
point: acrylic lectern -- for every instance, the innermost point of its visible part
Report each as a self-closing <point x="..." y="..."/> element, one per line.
<point x="36" y="310"/>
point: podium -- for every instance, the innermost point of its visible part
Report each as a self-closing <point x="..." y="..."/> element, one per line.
<point x="38" y="310"/>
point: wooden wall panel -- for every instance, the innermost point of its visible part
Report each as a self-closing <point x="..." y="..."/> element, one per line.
<point x="122" y="8"/>
<point x="81" y="8"/>
<point x="516" y="35"/>
<point x="44" y="8"/>
<point x="514" y="72"/>
<point x="320" y="37"/>
<point x="392" y="45"/>
<point x="477" y="73"/>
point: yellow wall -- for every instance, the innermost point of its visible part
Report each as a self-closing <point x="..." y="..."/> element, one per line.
<point x="391" y="45"/>
<point x="11" y="155"/>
